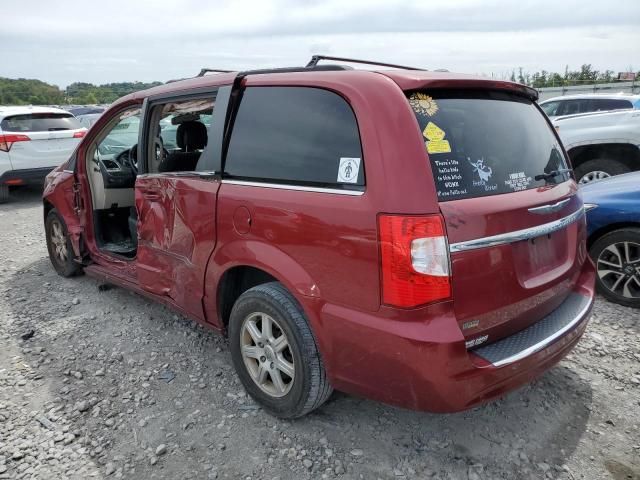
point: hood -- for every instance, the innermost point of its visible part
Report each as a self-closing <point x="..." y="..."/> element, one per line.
<point x="620" y="185"/>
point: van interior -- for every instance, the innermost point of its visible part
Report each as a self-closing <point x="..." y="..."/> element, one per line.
<point x="179" y="131"/>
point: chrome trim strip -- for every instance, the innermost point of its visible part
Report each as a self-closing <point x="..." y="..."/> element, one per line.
<point x="547" y="341"/>
<point x="551" y="208"/>
<point x="518" y="235"/>
<point x="299" y="188"/>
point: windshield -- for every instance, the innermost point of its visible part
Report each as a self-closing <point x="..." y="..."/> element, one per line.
<point x="486" y="143"/>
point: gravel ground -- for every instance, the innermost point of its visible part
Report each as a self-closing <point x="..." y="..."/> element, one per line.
<point x="110" y="385"/>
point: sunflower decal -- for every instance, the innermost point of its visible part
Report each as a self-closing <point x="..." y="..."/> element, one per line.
<point x="423" y="104"/>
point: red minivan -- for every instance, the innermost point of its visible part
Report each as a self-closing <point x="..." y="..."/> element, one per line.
<point x="409" y="236"/>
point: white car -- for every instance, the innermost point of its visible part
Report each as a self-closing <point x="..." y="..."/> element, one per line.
<point x="585" y="103"/>
<point x="601" y="144"/>
<point x="33" y="141"/>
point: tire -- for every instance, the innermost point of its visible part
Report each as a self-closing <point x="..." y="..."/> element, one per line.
<point x="603" y="254"/>
<point x="59" y="246"/>
<point x="309" y="388"/>
<point x="4" y="193"/>
<point x="599" y="168"/>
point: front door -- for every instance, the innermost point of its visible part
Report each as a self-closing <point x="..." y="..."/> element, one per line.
<point x="176" y="199"/>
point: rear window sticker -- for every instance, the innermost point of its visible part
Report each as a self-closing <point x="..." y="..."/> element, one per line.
<point x="348" y="170"/>
<point x="484" y="173"/>
<point x="518" y="181"/>
<point x="435" y="139"/>
<point x="423" y="104"/>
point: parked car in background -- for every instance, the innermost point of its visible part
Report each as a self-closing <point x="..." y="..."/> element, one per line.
<point x="409" y="236"/>
<point x="601" y="144"/>
<point x="613" y="222"/>
<point x="88" y="119"/>
<point x="86" y="110"/>
<point x="585" y="103"/>
<point x="33" y="141"/>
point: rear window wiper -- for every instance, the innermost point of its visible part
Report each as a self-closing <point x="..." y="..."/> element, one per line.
<point x="552" y="174"/>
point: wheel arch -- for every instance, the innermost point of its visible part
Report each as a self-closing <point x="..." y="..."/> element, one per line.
<point x="241" y="265"/>
<point x="624" y="152"/>
<point x="611" y="227"/>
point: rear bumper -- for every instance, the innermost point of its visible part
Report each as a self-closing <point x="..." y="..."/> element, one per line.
<point x="26" y="176"/>
<point x="424" y="364"/>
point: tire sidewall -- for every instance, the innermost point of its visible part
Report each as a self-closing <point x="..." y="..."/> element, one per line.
<point x="617" y="236"/>
<point x="294" y="401"/>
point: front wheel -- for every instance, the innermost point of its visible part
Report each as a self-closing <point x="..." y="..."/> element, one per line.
<point x="4" y="193"/>
<point x="617" y="259"/>
<point x="59" y="245"/>
<point x="275" y="354"/>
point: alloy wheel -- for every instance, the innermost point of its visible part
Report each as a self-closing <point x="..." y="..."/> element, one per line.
<point x="59" y="241"/>
<point x="267" y="354"/>
<point x="619" y="269"/>
<point x="593" y="176"/>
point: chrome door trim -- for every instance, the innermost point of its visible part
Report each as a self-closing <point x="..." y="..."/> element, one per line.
<point x="299" y="188"/>
<point x="518" y="235"/>
<point x="551" y="208"/>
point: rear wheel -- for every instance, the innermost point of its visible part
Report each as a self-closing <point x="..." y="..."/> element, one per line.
<point x="598" y="169"/>
<point x="59" y="245"/>
<point x="4" y="193"/>
<point x="617" y="259"/>
<point x="275" y="353"/>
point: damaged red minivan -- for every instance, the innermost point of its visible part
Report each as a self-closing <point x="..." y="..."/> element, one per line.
<point x="413" y="237"/>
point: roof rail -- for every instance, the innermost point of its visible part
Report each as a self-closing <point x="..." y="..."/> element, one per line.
<point x="204" y="71"/>
<point x="318" y="68"/>
<point x="313" y="63"/>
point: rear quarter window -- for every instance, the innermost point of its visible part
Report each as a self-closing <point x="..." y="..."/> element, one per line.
<point x="40" y="122"/>
<point x="485" y="143"/>
<point x="296" y="135"/>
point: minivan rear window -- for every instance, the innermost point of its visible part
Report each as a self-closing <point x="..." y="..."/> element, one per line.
<point x="40" y="122"/>
<point x="486" y="143"/>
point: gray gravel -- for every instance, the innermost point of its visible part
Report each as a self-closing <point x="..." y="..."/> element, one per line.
<point x="109" y="385"/>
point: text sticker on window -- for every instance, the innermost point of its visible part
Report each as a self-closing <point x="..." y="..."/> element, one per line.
<point x="348" y="170"/>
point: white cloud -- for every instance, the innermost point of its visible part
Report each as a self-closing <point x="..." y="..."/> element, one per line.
<point x="62" y="42"/>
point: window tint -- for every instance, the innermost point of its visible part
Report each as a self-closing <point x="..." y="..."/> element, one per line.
<point x="296" y="135"/>
<point x="40" y="122"/>
<point x="610" y="104"/>
<point x="485" y="143"/>
<point x="571" y="107"/>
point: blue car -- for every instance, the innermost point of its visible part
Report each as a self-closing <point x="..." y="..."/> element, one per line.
<point x="613" y="222"/>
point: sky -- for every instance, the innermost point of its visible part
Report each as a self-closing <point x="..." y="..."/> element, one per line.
<point x="62" y="42"/>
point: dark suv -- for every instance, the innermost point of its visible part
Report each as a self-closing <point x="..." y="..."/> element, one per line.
<point x="409" y="236"/>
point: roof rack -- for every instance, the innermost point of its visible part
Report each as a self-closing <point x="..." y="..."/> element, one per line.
<point x="204" y="71"/>
<point x="313" y="63"/>
<point x="318" y="68"/>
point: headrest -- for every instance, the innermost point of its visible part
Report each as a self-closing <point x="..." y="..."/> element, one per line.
<point x="191" y="136"/>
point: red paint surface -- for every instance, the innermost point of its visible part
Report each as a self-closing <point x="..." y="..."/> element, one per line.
<point x="324" y="249"/>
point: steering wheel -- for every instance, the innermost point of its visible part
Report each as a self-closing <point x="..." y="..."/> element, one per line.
<point x="128" y="158"/>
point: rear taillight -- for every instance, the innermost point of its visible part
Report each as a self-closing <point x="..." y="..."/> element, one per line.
<point x="7" y="140"/>
<point x="80" y="134"/>
<point x="415" y="260"/>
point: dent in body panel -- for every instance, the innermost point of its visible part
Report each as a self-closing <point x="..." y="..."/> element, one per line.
<point x="176" y="236"/>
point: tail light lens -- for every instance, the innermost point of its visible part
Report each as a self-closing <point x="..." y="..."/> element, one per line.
<point x="7" y="140"/>
<point x="415" y="260"/>
<point x="80" y="134"/>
